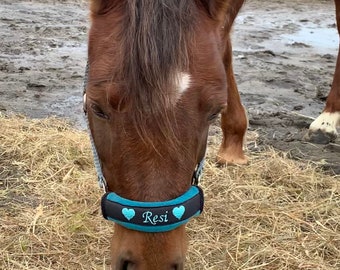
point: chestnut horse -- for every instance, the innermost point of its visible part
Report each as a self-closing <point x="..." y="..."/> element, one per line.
<point x="159" y="73"/>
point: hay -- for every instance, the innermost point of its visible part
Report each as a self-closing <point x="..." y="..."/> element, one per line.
<point x="273" y="214"/>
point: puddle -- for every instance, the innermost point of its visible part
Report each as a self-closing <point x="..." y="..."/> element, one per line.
<point x="74" y="50"/>
<point x="318" y="38"/>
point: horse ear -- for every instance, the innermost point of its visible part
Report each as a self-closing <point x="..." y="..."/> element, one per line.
<point x="215" y="8"/>
<point x="101" y="6"/>
<point x="219" y="9"/>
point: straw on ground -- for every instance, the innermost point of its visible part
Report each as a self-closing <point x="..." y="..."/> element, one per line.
<point x="273" y="214"/>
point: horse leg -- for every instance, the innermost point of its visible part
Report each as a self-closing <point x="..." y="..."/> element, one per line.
<point x="324" y="127"/>
<point x="234" y="121"/>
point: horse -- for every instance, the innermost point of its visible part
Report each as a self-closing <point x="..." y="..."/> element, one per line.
<point x="159" y="73"/>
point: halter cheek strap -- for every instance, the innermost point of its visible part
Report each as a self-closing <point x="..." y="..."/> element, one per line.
<point x="153" y="216"/>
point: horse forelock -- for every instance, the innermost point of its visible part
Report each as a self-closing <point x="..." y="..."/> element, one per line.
<point x="156" y="37"/>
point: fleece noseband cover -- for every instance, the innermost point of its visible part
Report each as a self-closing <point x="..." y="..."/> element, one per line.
<point x="153" y="216"/>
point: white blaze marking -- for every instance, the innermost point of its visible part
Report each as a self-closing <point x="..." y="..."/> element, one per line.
<point x="326" y="122"/>
<point x="183" y="82"/>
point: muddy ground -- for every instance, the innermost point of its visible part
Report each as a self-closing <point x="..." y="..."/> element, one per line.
<point x="284" y="59"/>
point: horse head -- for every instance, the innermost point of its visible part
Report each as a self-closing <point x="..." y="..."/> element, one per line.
<point x="156" y="81"/>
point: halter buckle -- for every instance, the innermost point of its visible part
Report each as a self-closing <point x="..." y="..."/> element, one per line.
<point x="198" y="172"/>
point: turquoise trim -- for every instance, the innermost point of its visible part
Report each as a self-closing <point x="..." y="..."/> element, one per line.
<point x="153" y="229"/>
<point x="193" y="191"/>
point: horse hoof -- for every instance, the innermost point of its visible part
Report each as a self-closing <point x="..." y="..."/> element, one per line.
<point x="319" y="137"/>
<point x="223" y="161"/>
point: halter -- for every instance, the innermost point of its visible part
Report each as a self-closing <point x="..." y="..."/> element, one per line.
<point x="148" y="217"/>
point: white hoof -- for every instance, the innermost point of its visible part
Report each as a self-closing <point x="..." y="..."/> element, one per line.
<point x="326" y="122"/>
<point x="323" y="130"/>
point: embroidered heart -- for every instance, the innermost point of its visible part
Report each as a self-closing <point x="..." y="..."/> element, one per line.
<point x="128" y="213"/>
<point x="178" y="212"/>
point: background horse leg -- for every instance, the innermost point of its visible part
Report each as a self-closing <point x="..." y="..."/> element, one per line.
<point x="234" y="120"/>
<point x="324" y="128"/>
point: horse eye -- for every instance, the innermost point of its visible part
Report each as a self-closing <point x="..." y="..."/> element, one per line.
<point x="99" y="112"/>
<point x="213" y="116"/>
<point x="215" y="113"/>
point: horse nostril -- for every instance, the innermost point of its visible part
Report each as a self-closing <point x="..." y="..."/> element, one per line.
<point x="126" y="265"/>
<point x="177" y="266"/>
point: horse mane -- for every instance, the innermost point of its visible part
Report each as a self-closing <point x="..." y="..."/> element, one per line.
<point x="155" y="40"/>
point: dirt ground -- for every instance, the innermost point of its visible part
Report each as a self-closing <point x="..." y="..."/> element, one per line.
<point x="284" y="59"/>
